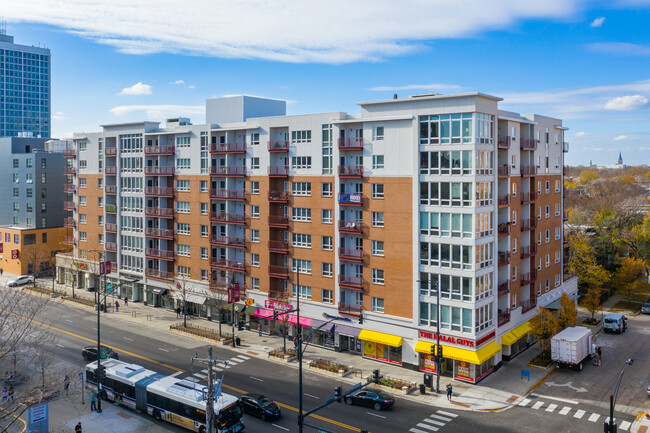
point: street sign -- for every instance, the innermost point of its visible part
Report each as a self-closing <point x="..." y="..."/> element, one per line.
<point x="37" y="418"/>
<point x="109" y="287"/>
<point x="103" y="353"/>
<point x="15" y="254"/>
<point x="249" y="302"/>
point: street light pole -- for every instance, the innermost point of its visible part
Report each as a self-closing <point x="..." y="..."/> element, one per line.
<point x="99" y="346"/>
<point x="611" y="426"/>
<point x="299" y="347"/>
<point x="438" y="351"/>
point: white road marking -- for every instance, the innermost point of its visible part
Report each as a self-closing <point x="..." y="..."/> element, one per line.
<point x="257" y="379"/>
<point x="579" y="414"/>
<point x="377" y="415"/>
<point x="625" y="425"/>
<point x="279" y="426"/>
<point x="434" y="422"/>
<point x="127" y="338"/>
<point x="551" y="407"/>
<point x="428" y="427"/>
<point x="312" y="396"/>
<point x="442" y="412"/>
<point x="594" y="417"/>
<point x="417" y="430"/>
<point x="164" y="350"/>
<point x="68" y="320"/>
<point x="241" y="358"/>
<point x="538" y="405"/>
<point x="59" y="345"/>
<point x="565" y="410"/>
<point x="524" y="402"/>
<point x="175" y="374"/>
<point x="233" y="361"/>
<point x="444" y="418"/>
<point x="95" y="329"/>
<point x="200" y="376"/>
<point x="563" y="400"/>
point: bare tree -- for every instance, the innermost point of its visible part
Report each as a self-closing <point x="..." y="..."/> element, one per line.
<point x="41" y="262"/>
<point x="182" y="291"/>
<point x="219" y="300"/>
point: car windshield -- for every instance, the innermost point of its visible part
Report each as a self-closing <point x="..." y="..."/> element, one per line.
<point x="265" y="402"/>
<point x="610" y="320"/>
<point x="229" y="416"/>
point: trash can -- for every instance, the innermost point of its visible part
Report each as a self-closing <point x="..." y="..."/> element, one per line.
<point x="423" y="389"/>
<point x="237" y="341"/>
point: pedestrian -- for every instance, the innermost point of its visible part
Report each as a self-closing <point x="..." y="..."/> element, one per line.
<point x="10" y="393"/>
<point x="449" y="391"/>
<point x="5" y="393"/>
<point x="126" y="301"/>
<point x="600" y="356"/>
<point x="597" y="359"/>
<point x="77" y="428"/>
<point x="117" y="307"/>
<point x="1" y="271"/>
<point x="178" y="312"/>
<point x="93" y="407"/>
<point x="66" y="384"/>
<point x="259" y="329"/>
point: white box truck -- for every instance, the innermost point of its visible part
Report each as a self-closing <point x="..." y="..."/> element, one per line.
<point x="571" y="347"/>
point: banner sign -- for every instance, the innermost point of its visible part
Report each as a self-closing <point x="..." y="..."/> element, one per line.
<point x="274" y="305"/>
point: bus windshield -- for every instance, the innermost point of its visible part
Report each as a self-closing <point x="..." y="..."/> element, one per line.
<point x="230" y="416"/>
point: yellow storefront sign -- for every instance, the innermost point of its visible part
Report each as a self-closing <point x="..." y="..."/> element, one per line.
<point x="510" y="338"/>
<point x="479" y="357"/>
<point x="380" y="337"/>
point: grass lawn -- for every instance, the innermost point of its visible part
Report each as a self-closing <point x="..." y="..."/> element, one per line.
<point x="634" y="305"/>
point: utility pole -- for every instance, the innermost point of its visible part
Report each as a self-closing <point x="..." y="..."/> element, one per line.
<point x="209" y="409"/>
<point x="299" y="347"/>
<point x="438" y="348"/>
<point x="611" y="427"/>
<point x="99" y="346"/>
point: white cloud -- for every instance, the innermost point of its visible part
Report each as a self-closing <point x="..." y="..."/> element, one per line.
<point x="158" y="111"/>
<point x="59" y="115"/>
<point x="191" y="86"/>
<point x="620" y="137"/>
<point x="630" y="102"/>
<point x="137" y="89"/>
<point x="285" y="30"/>
<point x="416" y="87"/>
<point x="179" y="82"/>
<point x="580" y="134"/>
<point x="597" y="22"/>
<point x="620" y="48"/>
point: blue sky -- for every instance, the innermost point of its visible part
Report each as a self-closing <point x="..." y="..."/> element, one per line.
<point x="587" y="62"/>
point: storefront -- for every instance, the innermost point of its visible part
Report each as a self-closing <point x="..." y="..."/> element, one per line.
<point x="321" y="333"/>
<point x="193" y="304"/>
<point x="348" y="339"/>
<point x="517" y="340"/>
<point x="264" y="316"/>
<point x="382" y="347"/>
<point x="158" y="297"/>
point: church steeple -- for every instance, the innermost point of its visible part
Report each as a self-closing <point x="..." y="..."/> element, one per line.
<point x="620" y="159"/>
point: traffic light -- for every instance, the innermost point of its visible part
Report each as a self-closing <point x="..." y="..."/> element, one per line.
<point x="439" y="353"/>
<point x="337" y="393"/>
<point x="361" y="320"/>
<point x="275" y="315"/>
<point x="100" y="373"/>
<point x="433" y="351"/>
<point x="375" y="376"/>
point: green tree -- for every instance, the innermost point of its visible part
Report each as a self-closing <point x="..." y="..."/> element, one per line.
<point x="543" y="326"/>
<point x="568" y="313"/>
<point x="630" y="278"/>
<point x="591" y="301"/>
<point x="582" y="263"/>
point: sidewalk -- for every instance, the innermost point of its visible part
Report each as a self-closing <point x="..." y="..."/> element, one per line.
<point x="642" y="423"/>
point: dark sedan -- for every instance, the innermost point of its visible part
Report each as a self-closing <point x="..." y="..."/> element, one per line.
<point x="374" y="398"/>
<point x="260" y="406"/>
<point x="90" y="353"/>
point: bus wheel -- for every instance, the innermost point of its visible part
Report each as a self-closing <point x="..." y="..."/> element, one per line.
<point x="156" y="414"/>
<point x="202" y="429"/>
<point x="103" y="395"/>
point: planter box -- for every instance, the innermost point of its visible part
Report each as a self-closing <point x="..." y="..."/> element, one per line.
<point x="594" y="328"/>
<point x="405" y="390"/>
<point x="339" y="373"/>
<point x="282" y="358"/>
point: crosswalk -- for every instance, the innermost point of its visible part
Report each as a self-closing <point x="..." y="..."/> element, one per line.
<point x="235" y="360"/>
<point x="593" y="417"/>
<point x="433" y="422"/>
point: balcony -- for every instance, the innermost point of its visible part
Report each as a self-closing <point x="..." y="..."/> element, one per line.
<point x="351" y="282"/>
<point x="158" y="274"/>
<point x="504" y="259"/>
<point x="528" y="224"/>
<point x="110" y="246"/>
<point x="69" y="170"/>
<point x="504" y="200"/>
<point x="504" y="288"/>
<point x="278" y="196"/>
<point x="528" y="305"/>
<point x="503" y="317"/>
<point x="350" y="226"/>
<point x="528" y="277"/>
<point x="159" y="212"/>
<point x="68" y="187"/>
<point x="528" y="170"/>
<point x="350" y="171"/>
<point x="276" y="271"/>
<point x="69" y="153"/>
<point x="69" y="222"/>
<point x="69" y="205"/>
<point x="110" y="208"/>
<point x="159" y="254"/>
<point x="110" y="189"/>
<point x="230" y="218"/>
<point x="159" y="233"/>
<point x="350" y="309"/>
<point x="278" y="221"/>
<point x="351" y="143"/>
<point x="228" y="194"/>
<point x="353" y="199"/>
<point x="168" y="149"/>
<point x="111" y="170"/>
<point x="503" y="229"/>
<point x="159" y="191"/>
<point x="110" y="151"/>
<point x="278" y="247"/>
<point x="159" y="171"/>
<point x="234" y="147"/>
<point x="528" y="251"/>
<point x="528" y="144"/>
<point x="528" y="197"/>
<point x="351" y="254"/>
<point x="69" y="240"/>
<point x="278" y="170"/>
<point x="225" y="170"/>
<point x="504" y="170"/>
<point x="221" y="285"/>
<point x="110" y="228"/>
<point x="228" y="241"/>
<point x="504" y="141"/>
<point x="278" y="146"/>
<point x="565" y="147"/>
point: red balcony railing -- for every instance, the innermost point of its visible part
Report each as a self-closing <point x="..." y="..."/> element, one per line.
<point x="528" y="305"/>
<point x="354" y="198"/>
<point x="160" y="191"/>
<point x="504" y="170"/>
<point x="225" y="170"/>
<point x="528" y="144"/>
<point x="228" y="194"/>
<point x="68" y="187"/>
<point x="350" y="309"/>
<point x="503" y="229"/>
<point x="110" y="227"/>
<point x="110" y="189"/>
<point x="223" y="285"/>
<point x="350" y="254"/>
<point x="351" y="170"/>
<point x="278" y="146"/>
<point x="158" y="274"/>
<point x="505" y="141"/>
<point x="69" y="153"/>
<point x="350" y="226"/>
<point x="224" y="217"/>
<point x="503" y="317"/>
<point x="69" y="240"/>
<point x="278" y="170"/>
<point x="110" y="169"/>
<point x="504" y="288"/>
<point x="278" y="271"/>
<point x="234" y="147"/>
<point x="159" y="233"/>
<point x="528" y="170"/>
<point x="528" y="251"/>
<point x="110" y="151"/>
<point x="278" y="221"/>
<point x="228" y="241"/>
<point x="110" y="246"/>
<point x="69" y="170"/>
<point x="69" y="205"/>
<point x="279" y="196"/>
<point x="159" y="212"/>
<point x="351" y="143"/>
<point x="159" y="171"/>
<point x="278" y="246"/>
<point x="159" y="254"/>
<point x="504" y="200"/>
<point x="528" y="277"/>
<point x="278" y="295"/>
<point x="528" y="224"/>
<point x="351" y="282"/>
<point x="167" y="149"/>
<point x="528" y="197"/>
<point x="69" y="222"/>
<point x="504" y="258"/>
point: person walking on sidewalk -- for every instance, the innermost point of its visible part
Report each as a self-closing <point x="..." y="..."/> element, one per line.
<point x="117" y="307"/>
<point x="259" y="329"/>
<point x="10" y="393"/>
<point x="77" y="428"/>
<point x="1" y="271"/>
<point x="600" y="356"/>
<point x="450" y="391"/>
<point x="126" y="301"/>
<point x="5" y="394"/>
<point x="93" y="406"/>
<point x="178" y="312"/>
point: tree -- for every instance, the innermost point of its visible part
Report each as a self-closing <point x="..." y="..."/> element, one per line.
<point x="568" y="313"/>
<point x="39" y="261"/>
<point x="182" y="292"/>
<point x="582" y="262"/>
<point x="591" y="301"/>
<point x="630" y="278"/>
<point x="544" y="325"/>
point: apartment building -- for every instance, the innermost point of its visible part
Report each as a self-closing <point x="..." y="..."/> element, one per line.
<point x="364" y="217"/>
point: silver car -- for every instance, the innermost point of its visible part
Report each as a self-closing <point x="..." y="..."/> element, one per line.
<point x="21" y="281"/>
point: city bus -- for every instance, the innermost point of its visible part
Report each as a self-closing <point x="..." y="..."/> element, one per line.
<point x="167" y="398"/>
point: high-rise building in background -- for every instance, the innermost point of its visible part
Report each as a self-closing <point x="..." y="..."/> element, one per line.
<point x="366" y="217"/>
<point x="25" y="72"/>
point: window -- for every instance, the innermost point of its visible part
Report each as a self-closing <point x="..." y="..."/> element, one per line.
<point x="182" y="228"/>
<point x="28" y="163"/>
<point x="377" y="248"/>
<point x="300" y="240"/>
<point x="203" y="186"/>
<point x="302" y="266"/>
<point x="204" y="253"/>
<point x="83" y="164"/>
<point x="255" y="259"/>
<point x="82" y="182"/>
<point x="183" y="271"/>
<point x="30" y="208"/>
<point x="16" y="177"/>
<point x="326" y="243"/>
<point x="183" y="163"/>
<point x="558" y="233"/>
<point x="378" y="304"/>
<point x="300" y="214"/>
<point x="16" y="163"/>
<point x="557" y="186"/>
<point x="82" y="236"/>
<point x="183" y="185"/>
<point x="82" y="200"/>
<point x="547" y="285"/>
<point x="44" y="238"/>
<point x="514" y="244"/>
<point x="547" y="236"/>
<point x="255" y="235"/>
<point x="255" y="283"/>
<point x="43" y="207"/>
<point x="300" y="136"/>
<point x="301" y="188"/>
<point x="43" y="177"/>
<point x="326" y="189"/>
<point x="377" y="161"/>
<point x="255" y="162"/>
<point x="100" y="183"/>
<point x="82" y="218"/>
<point x="326" y="269"/>
<point x="204" y="275"/>
<point x="378" y="133"/>
<point x="182" y="141"/>
<point x="29" y="239"/>
<point x="100" y="222"/>
<point x="183" y="206"/>
<point x="183" y="250"/>
<point x="204" y="208"/>
<point x="17" y="192"/>
<point x="327" y="296"/>
<point x="255" y="138"/>
<point x="255" y="211"/>
<point x="303" y="291"/>
<point x="539" y="238"/>
<point x="514" y="189"/>
<point x="255" y="187"/>
<point x="547" y="186"/>
<point x="100" y="202"/>
<point x="377" y="190"/>
<point x="514" y="273"/>
<point x="204" y="231"/>
<point x="557" y="280"/>
<point x="43" y="163"/>
<point x="378" y="276"/>
<point x="547" y="211"/>
<point x="547" y="260"/>
<point x="326" y="216"/>
<point x="301" y="162"/>
<point x="29" y="178"/>
<point x="377" y="219"/>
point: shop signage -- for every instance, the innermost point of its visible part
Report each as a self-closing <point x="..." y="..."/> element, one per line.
<point x="15" y="254"/>
<point x="447" y="339"/>
<point x="485" y="338"/>
<point x="1" y="248"/>
<point x="104" y="268"/>
<point x="429" y="363"/>
<point x="274" y="305"/>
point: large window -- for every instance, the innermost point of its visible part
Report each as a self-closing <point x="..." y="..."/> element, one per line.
<point x="300" y="188"/>
<point x="183" y="250"/>
<point x="453" y="318"/>
<point x="446" y="162"/>
<point x="182" y="228"/>
<point x="446" y="193"/>
<point x="183" y="206"/>
<point x="300" y="136"/>
<point x="303" y="291"/>
<point x="301" y="162"/>
<point x="301" y="214"/>
<point x="183" y="185"/>
<point x="300" y="240"/>
<point x="304" y="266"/>
<point x="446" y="255"/>
<point x="446" y="224"/>
<point x="451" y="286"/>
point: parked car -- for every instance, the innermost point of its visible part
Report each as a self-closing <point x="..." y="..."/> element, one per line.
<point x="21" y="281"/>
<point x="645" y="308"/>
<point x="260" y="406"/>
<point x="371" y="397"/>
<point x="615" y="322"/>
<point x="90" y="353"/>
